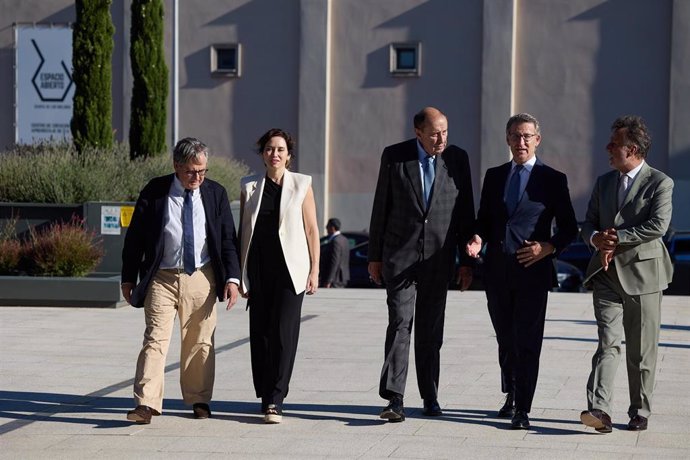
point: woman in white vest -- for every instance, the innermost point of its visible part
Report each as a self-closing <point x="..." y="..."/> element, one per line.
<point x="279" y="239"/>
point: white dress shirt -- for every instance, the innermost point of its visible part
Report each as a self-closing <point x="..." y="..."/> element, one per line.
<point x="172" y="229"/>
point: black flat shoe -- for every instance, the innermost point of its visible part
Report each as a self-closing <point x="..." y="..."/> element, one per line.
<point x="274" y="414"/>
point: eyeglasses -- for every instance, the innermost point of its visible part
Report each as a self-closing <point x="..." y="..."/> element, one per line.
<point x="515" y="137"/>
<point x="200" y="172"/>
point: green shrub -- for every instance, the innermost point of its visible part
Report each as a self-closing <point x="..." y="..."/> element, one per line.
<point x="55" y="173"/>
<point x="92" y="50"/>
<point x="10" y="256"/>
<point x="63" y="249"/>
<point x="149" y="79"/>
<point x="10" y="248"/>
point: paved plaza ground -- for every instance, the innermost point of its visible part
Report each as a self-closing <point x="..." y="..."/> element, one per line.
<point x="66" y="385"/>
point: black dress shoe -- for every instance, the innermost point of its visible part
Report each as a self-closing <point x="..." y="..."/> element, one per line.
<point x="201" y="410"/>
<point x="508" y="409"/>
<point x="394" y="411"/>
<point x="597" y="419"/>
<point x="520" y="421"/>
<point x="432" y="408"/>
<point x="141" y="415"/>
<point x="637" y="423"/>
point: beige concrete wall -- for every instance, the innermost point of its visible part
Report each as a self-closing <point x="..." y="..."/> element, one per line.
<point x="579" y="65"/>
<point x="319" y="68"/>
<point x="372" y="109"/>
<point x="230" y="114"/>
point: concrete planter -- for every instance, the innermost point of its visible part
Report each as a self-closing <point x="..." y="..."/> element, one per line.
<point x="98" y="216"/>
<point x="93" y="292"/>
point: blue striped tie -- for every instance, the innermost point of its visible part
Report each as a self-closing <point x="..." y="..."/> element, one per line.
<point x="188" y="233"/>
<point x="429" y="174"/>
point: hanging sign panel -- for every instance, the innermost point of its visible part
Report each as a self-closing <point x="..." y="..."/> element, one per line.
<point x="44" y="83"/>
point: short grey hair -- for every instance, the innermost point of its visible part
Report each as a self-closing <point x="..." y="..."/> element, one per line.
<point x="522" y="118"/>
<point x="189" y="149"/>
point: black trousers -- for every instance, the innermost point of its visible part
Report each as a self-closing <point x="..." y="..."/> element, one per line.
<point x="518" y="318"/>
<point x="274" y="323"/>
<point x="424" y="304"/>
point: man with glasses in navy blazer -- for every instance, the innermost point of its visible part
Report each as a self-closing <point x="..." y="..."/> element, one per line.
<point x="182" y="247"/>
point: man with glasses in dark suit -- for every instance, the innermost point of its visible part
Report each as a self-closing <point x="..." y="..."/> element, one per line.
<point x="520" y="201"/>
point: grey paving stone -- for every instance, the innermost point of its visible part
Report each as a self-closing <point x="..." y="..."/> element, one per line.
<point x="66" y="374"/>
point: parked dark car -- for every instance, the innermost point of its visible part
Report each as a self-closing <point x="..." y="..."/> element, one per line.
<point x="569" y="276"/>
<point x="678" y="244"/>
<point x="578" y="253"/>
<point x="354" y="238"/>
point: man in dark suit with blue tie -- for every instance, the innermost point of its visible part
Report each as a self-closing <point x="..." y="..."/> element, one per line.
<point x="182" y="247"/>
<point x="423" y="208"/>
<point x="519" y="202"/>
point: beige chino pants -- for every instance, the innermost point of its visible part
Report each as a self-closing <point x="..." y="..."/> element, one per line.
<point x="192" y="298"/>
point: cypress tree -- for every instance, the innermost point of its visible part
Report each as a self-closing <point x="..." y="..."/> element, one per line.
<point x="92" y="49"/>
<point x="150" y="80"/>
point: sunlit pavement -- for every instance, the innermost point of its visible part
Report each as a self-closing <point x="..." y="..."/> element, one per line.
<point x="65" y="387"/>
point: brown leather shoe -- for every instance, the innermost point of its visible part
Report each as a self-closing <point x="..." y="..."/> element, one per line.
<point x="597" y="419"/>
<point x="201" y="410"/>
<point x="637" y="423"/>
<point x="141" y="415"/>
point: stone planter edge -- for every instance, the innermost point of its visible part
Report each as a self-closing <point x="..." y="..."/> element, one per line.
<point x="87" y="292"/>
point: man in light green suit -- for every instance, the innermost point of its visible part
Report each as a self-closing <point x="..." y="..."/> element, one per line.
<point x="628" y="213"/>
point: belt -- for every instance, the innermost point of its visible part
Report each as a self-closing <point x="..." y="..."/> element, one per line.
<point x="180" y="270"/>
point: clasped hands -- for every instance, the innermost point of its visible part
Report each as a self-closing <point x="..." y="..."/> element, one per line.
<point x="606" y="242"/>
<point x="530" y="252"/>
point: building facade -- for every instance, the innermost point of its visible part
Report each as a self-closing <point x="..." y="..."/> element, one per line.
<point x="346" y="76"/>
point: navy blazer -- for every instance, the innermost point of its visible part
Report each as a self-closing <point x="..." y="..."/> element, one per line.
<point x="143" y="248"/>
<point x="546" y="198"/>
<point x="403" y="231"/>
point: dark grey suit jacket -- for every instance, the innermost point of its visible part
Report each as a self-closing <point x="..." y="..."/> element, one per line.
<point x="402" y="231"/>
<point x="143" y="249"/>
<point x="335" y="262"/>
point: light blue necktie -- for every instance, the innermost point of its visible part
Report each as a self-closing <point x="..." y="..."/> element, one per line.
<point x="188" y="233"/>
<point x="513" y="195"/>
<point x="429" y="174"/>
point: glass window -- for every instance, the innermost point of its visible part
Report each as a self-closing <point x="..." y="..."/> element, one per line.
<point x="405" y="59"/>
<point x="225" y="60"/>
